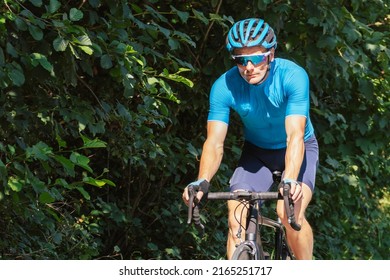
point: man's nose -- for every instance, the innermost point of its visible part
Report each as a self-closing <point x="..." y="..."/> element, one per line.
<point x="250" y="65"/>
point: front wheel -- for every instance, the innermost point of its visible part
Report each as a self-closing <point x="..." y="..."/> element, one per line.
<point x="245" y="252"/>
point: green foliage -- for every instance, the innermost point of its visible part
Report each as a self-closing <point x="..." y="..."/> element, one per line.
<point x="102" y="114"/>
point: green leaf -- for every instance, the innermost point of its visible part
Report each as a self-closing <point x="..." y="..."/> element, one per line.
<point x="314" y="21"/>
<point x="262" y="5"/>
<point x="67" y="164"/>
<point x="109" y="182"/>
<point x="58" y="23"/>
<point x="10" y="49"/>
<point x="177" y="78"/>
<point x="81" y="161"/>
<point x="352" y="180"/>
<point x="332" y="162"/>
<point x="200" y="16"/>
<point x="152" y="80"/>
<point x="42" y="60"/>
<point x="62" y="182"/>
<point x="152" y="246"/>
<point x="36" y="3"/>
<point x="35" y="32"/>
<point x="192" y="150"/>
<point x="173" y="44"/>
<point x="54" y="6"/>
<point x="97" y="49"/>
<point x="2" y="58"/>
<point x="46" y="197"/>
<point x="84" y="40"/>
<point x="57" y="237"/>
<point x="15" y="184"/>
<point x="84" y="193"/>
<point x="94" y="182"/>
<point x="75" y="14"/>
<point x="182" y="15"/>
<point x="95" y="143"/>
<point x="327" y="42"/>
<point x="60" y="141"/>
<point x="17" y="77"/>
<point x="105" y="61"/>
<point x="74" y="52"/>
<point x="3" y="171"/>
<point x="173" y="252"/>
<point x="170" y="94"/>
<point x="156" y="14"/>
<point x="94" y="3"/>
<point x="60" y="44"/>
<point x="21" y="24"/>
<point x="184" y="37"/>
<point x="86" y="49"/>
<point x="124" y="112"/>
<point x="39" y="151"/>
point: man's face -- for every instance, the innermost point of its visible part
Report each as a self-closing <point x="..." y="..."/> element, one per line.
<point x="253" y="69"/>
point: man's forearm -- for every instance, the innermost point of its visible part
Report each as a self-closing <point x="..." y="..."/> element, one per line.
<point x="210" y="161"/>
<point x="294" y="157"/>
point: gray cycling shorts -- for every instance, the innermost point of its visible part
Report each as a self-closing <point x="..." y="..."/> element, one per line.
<point x="255" y="167"/>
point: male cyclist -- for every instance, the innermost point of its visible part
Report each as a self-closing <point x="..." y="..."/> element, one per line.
<point x="271" y="95"/>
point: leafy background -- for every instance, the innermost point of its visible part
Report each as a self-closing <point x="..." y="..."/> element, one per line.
<point x="102" y="118"/>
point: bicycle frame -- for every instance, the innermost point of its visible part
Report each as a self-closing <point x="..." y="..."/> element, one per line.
<point x="253" y="237"/>
<point x="282" y="249"/>
<point x="252" y="233"/>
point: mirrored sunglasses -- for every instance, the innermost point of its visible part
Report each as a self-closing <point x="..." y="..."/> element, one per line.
<point x="255" y="59"/>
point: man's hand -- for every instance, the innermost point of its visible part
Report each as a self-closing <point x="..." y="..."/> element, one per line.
<point x="296" y="191"/>
<point x="202" y="185"/>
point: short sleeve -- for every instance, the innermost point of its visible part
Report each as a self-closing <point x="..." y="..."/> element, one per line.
<point x="297" y="89"/>
<point x="220" y="101"/>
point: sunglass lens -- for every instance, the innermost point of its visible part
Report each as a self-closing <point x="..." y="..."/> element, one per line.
<point x="240" y="60"/>
<point x="255" y="59"/>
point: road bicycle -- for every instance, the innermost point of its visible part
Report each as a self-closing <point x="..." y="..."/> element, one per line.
<point x="251" y="248"/>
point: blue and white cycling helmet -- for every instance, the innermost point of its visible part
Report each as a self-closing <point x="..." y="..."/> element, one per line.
<point x="250" y="32"/>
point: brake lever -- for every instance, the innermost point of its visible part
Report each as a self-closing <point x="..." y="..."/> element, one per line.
<point x="193" y="210"/>
<point x="191" y="195"/>
<point x="289" y="206"/>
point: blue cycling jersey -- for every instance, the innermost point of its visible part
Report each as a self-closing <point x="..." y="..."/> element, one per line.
<point x="264" y="107"/>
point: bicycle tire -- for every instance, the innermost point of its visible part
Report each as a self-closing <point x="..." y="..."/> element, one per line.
<point x="245" y="252"/>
